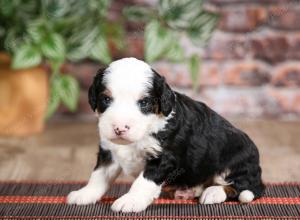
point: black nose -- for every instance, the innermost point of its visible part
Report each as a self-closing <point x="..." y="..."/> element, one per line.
<point x="121" y="130"/>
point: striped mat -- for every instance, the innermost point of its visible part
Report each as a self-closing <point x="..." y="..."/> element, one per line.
<point x="46" y="200"/>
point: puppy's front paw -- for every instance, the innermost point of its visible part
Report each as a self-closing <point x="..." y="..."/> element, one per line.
<point x="130" y="203"/>
<point x="83" y="196"/>
<point x="212" y="195"/>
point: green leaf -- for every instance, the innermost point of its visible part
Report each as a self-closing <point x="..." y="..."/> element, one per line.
<point x="54" y="98"/>
<point x="69" y="91"/>
<point x="53" y="47"/>
<point x="7" y="7"/>
<point x="161" y="42"/>
<point x="77" y="54"/>
<point x="194" y="66"/>
<point x="100" y="6"/>
<point x="179" y="13"/>
<point x="158" y="41"/>
<point x="82" y="43"/>
<point x="115" y="33"/>
<point x="36" y="30"/>
<point x="26" y="56"/>
<point x="201" y="29"/>
<point x="101" y="51"/>
<point x="56" y="8"/>
<point x="14" y="41"/>
<point x="2" y="32"/>
<point x="65" y="89"/>
<point x="137" y="13"/>
<point x="175" y="53"/>
<point x="189" y="16"/>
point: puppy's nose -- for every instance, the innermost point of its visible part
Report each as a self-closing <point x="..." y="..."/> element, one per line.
<point x="120" y="130"/>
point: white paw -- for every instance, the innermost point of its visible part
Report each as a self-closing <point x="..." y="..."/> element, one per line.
<point x="131" y="203"/>
<point x="246" y="196"/>
<point x="212" y="195"/>
<point x="84" y="196"/>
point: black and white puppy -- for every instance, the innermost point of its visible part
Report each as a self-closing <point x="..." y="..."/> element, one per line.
<point x="163" y="137"/>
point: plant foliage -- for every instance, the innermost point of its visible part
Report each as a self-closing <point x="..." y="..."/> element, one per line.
<point x="165" y="25"/>
<point x="34" y="31"/>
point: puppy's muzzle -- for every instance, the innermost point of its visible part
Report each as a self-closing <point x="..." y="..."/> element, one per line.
<point x="121" y="130"/>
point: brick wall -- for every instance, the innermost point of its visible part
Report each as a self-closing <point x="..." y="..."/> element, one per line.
<point x="251" y="66"/>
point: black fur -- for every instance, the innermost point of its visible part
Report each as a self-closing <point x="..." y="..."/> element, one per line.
<point x="104" y="157"/>
<point x="95" y="95"/>
<point x="148" y="104"/>
<point x="197" y="143"/>
<point x="97" y="98"/>
<point x="200" y="143"/>
<point x="163" y="94"/>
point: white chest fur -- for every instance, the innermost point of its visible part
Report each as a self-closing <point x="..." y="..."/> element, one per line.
<point x="131" y="158"/>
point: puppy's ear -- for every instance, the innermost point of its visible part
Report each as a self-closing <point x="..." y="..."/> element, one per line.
<point x="95" y="89"/>
<point x="165" y="95"/>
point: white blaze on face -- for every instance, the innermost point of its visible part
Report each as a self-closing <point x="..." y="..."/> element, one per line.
<point x="128" y="80"/>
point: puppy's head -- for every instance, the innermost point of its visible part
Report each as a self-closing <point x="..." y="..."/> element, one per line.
<point x="132" y="100"/>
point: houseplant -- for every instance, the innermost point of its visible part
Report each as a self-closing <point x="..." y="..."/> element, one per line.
<point x="167" y="22"/>
<point x="51" y="32"/>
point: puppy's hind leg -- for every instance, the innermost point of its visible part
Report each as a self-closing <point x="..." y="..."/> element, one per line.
<point x="218" y="190"/>
<point x="247" y="184"/>
<point x="238" y="186"/>
<point x="213" y="194"/>
<point x="189" y="193"/>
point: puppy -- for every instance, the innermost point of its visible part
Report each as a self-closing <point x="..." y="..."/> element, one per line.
<point x="162" y="137"/>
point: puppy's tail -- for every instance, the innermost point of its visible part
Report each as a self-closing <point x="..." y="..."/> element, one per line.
<point x="252" y="193"/>
<point x="246" y="196"/>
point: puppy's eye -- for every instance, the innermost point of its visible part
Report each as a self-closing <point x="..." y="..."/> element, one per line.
<point x="143" y="102"/>
<point x="107" y="100"/>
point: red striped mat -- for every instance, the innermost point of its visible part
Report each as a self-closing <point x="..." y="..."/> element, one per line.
<point x="46" y="200"/>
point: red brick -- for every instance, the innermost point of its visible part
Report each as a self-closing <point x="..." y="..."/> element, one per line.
<point x="223" y="46"/>
<point x="224" y="2"/>
<point x="135" y="27"/>
<point x="269" y="47"/>
<point x="287" y="75"/>
<point x="235" y="102"/>
<point x="285" y="16"/>
<point x="175" y="74"/>
<point x="199" y="95"/>
<point x="209" y="74"/>
<point x="294" y="46"/>
<point x="241" y="19"/>
<point x="181" y="78"/>
<point x="288" y="100"/>
<point x="246" y="74"/>
<point x="179" y="75"/>
<point x="276" y="1"/>
<point x="83" y="104"/>
<point x="164" y="70"/>
<point x="116" y="8"/>
<point x="84" y="72"/>
<point x="134" y="47"/>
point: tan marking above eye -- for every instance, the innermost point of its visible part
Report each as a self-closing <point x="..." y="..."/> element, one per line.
<point x="107" y="92"/>
<point x="142" y="97"/>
